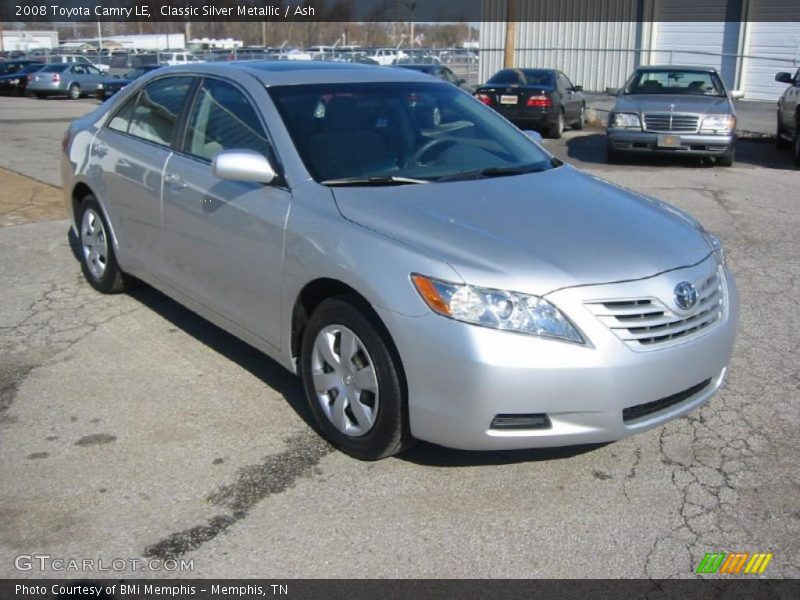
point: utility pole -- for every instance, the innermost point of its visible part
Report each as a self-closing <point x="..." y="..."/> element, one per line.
<point x="511" y="34"/>
<point x="99" y="38"/>
<point x="264" y="33"/>
<point x="411" y="6"/>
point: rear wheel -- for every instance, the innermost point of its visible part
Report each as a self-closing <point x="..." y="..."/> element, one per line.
<point x="98" y="261"/>
<point x="556" y="130"/>
<point x="353" y="382"/>
<point x="581" y="119"/>
<point x="74" y="91"/>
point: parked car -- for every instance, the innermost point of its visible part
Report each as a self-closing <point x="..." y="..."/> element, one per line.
<point x="10" y="67"/>
<point x="14" y="84"/>
<point x="77" y="59"/>
<point x="788" y="133"/>
<point x="441" y="72"/>
<point x="541" y="99"/>
<point x="386" y="56"/>
<point x="112" y="85"/>
<point x="674" y="110"/>
<point x="178" y="58"/>
<point x="454" y="283"/>
<point x="71" y="80"/>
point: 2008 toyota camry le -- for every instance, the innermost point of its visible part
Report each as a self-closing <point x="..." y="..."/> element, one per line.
<point x="429" y="270"/>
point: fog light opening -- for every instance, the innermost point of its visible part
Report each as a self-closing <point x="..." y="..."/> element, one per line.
<point x="535" y="421"/>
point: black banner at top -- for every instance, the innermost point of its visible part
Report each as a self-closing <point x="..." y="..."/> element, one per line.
<point x="421" y="11"/>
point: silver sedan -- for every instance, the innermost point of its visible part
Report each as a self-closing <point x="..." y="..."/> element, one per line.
<point x="427" y="269"/>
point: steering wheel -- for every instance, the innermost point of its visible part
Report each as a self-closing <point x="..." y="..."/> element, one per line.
<point x="426" y="147"/>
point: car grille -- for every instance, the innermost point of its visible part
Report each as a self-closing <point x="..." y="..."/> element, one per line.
<point x="643" y="410"/>
<point x="647" y="323"/>
<point x="671" y="122"/>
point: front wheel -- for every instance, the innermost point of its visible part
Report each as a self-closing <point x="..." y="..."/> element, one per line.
<point x="780" y="140"/>
<point x="581" y="119"/>
<point x="796" y="149"/>
<point x="726" y="160"/>
<point x="98" y="261"/>
<point x="353" y="380"/>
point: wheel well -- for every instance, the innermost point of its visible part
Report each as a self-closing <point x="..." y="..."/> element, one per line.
<point x="79" y="192"/>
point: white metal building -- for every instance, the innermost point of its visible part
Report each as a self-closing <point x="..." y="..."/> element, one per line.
<point x="748" y="47"/>
<point x="27" y="40"/>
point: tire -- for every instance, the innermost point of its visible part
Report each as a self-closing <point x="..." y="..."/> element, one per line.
<point x="780" y="141"/>
<point x="579" y="123"/>
<point x="556" y="130"/>
<point x="98" y="261"/>
<point x="796" y="149"/>
<point x="74" y="91"/>
<point x="726" y="160"/>
<point x="39" y="95"/>
<point x="379" y="428"/>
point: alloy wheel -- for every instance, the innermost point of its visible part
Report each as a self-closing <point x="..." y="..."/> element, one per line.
<point x="94" y="243"/>
<point x="345" y="382"/>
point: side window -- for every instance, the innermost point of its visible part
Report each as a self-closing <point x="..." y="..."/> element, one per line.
<point x="78" y="70"/>
<point x="122" y="120"/>
<point x="223" y="119"/>
<point x="92" y="70"/>
<point x="157" y="109"/>
<point x="567" y="82"/>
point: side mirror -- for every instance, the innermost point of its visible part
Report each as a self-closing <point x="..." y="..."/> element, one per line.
<point x="534" y="135"/>
<point x="784" y="77"/>
<point x="577" y="88"/>
<point x="242" y="165"/>
<point x="737" y="94"/>
<point x="612" y="91"/>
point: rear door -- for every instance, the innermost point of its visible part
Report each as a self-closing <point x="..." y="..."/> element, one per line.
<point x="132" y="150"/>
<point x="224" y="239"/>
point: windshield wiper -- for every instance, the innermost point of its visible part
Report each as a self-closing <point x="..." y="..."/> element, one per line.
<point x="380" y="180"/>
<point x="500" y="171"/>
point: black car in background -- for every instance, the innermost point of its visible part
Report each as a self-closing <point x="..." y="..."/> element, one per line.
<point x="112" y="85"/>
<point x="541" y="99"/>
<point x="14" y="84"/>
<point x="440" y="71"/>
<point x="9" y="67"/>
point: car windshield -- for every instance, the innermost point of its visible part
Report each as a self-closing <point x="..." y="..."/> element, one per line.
<point x="396" y="131"/>
<point x="686" y="82"/>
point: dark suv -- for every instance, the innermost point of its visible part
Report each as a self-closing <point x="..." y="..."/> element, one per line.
<point x="789" y="114"/>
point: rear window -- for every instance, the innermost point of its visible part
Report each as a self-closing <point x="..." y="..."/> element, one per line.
<point x="55" y="68"/>
<point x="506" y="77"/>
<point x="536" y="77"/>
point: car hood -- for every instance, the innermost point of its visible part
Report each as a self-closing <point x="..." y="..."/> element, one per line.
<point x="683" y="103"/>
<point x="532" y="233"/>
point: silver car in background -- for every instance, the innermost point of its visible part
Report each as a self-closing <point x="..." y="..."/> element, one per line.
<point x="673" y="110"/>
<point x="65" y="79"/>
<point x="429" y="271"/>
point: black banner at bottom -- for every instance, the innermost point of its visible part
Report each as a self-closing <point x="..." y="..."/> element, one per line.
<point x="356" y="589"/>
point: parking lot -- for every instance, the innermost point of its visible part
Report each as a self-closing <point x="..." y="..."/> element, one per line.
<point x="130" y="428"/>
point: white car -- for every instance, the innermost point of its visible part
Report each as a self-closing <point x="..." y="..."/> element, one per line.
<point x="178" y="58"/>
<point x="75" y="59"/>
<point x="387" y="56"/>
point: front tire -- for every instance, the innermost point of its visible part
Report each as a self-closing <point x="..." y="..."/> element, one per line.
<point x="726" y="160"/>
<point x="581" y="119"/>
<point x="98" y="261"/>
<point x="353" y="380"/>
<point x="796" y="149"/>
<point x="74" y="91"/>
<point x="780" y="140"/>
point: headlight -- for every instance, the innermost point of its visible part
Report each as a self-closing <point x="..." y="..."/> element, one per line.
<point x="14" y="82"/>
<point x="100" y="86"/>
<point x="498" y="309"/>
<point x="716" y="245"/>
<point x="718" y="124"/>
<point x="626" y="121"/>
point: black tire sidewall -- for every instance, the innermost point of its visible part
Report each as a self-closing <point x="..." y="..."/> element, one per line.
<point x="74" y="86"/>
<point x="389" y="433"/>
<point x="111" y="281"/>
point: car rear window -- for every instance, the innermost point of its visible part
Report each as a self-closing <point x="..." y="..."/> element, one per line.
<point x="55" y="68"/>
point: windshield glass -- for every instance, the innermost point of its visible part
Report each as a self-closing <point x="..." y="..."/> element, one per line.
<point x="661" y="81"/>
<point x="423" y="131"/>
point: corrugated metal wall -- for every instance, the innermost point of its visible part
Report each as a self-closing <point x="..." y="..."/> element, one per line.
<point x="592" y="54"/>
<point x="771" y="46"/>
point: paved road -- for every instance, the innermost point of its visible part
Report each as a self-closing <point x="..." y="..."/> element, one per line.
<point x="130" y="427"/>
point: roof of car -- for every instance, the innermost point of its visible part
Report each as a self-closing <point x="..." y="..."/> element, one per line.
<point x="294" y="72"/>
<point x="698" y="68"/>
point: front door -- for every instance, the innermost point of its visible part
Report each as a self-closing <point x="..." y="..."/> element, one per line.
<point x="224" y="239"/>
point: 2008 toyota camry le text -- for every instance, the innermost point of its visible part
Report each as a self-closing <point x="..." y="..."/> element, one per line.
<point x="429" y="270"/>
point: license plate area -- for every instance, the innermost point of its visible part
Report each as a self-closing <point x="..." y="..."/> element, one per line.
<point x="507" y="99"/>
<point x="669" y="141"/>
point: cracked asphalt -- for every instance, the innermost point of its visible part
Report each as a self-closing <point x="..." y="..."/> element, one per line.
<point x="130" y="428"/>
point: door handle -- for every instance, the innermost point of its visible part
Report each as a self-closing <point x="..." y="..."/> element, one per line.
<point x="174" y="181"/>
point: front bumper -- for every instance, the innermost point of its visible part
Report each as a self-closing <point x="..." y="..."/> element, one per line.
<point x="690" y="143"/>
<point x="460" y="377"/>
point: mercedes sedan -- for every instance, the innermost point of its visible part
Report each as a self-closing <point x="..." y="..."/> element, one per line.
<point x="429" y="274"/>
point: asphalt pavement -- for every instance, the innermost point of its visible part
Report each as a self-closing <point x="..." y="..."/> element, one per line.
<point x="132" y="429"/>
